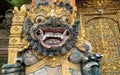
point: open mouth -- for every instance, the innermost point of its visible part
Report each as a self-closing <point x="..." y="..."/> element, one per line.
<point x="51" y="38"/>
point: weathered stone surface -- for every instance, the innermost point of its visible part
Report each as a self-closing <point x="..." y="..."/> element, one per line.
<point x="47" y="70"/>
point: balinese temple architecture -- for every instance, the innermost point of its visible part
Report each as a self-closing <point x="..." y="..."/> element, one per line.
<point x="99" y="23"/>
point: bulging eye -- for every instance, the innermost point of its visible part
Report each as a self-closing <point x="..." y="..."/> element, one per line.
<point x="40" y="19"/>
<point x="65" y="19"/>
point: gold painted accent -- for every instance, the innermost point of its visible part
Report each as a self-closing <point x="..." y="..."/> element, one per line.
<point x="58" y="60"/>
<point x="13" y="54"/>
<point x="81" y="36"/>
<point x="100" y="3"/>
<point x="53" y="62"/>
<point x="18" y="41"/>
<point x="100" y="45"/>
<point x="45" y="11"/>
<point x="72" y="2"/>
<point x="16" y="34"/>
<point x="103" y="33"/>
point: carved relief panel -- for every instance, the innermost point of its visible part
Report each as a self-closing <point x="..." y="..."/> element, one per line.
<point x="103" y="33"/>
<point x="100" y="3"/>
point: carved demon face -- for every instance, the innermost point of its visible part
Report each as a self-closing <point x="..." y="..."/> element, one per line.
<point x="51" y="30"/>
<point x="53" y="33"/>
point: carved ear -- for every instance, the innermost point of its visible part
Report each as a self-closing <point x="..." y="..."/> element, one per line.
<point x="27" y="26"/>
<point x="76" y="26"/>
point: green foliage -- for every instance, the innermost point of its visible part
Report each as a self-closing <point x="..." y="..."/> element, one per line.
<point x="18" y="3"/>
<point x="8" y="5"/>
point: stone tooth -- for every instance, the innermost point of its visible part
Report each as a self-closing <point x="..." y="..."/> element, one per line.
<point x="47" y="42"/>
<point x="65" y="32"/>
<point x="61" y="36"/>
<point x="58" y="35"/>
<point x="44" y="37"/>
<point x="55" y="35"/>
<point x="50" y="34"/>
<point x="42" y="33"/>
<point x="47" y="34"/>
<point x="53" y="41"/>
<point x="58" y="41"/>
<point x="50" y="42"/>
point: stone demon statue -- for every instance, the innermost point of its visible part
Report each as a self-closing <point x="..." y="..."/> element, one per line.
<point x="51" y="31"/>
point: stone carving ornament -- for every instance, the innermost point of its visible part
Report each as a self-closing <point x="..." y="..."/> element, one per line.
<point x="51" y="32"/>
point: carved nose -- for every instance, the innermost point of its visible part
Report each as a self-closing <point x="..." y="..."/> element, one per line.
<point x="55" y="22"/>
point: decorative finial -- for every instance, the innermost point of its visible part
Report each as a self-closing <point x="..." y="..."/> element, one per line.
<point x="52" y="1"/>
<point x="52" y="12"/>
<point x="73" y="3"/>
<point x="33" y="2"/>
